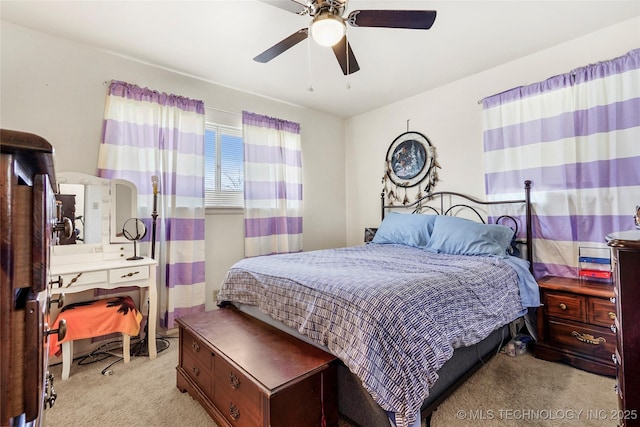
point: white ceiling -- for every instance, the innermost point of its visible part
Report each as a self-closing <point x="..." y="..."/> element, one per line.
<point x="216" y="41"/>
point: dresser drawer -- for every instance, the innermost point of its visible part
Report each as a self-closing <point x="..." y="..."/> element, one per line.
<point x="117" y="252"/>
<point x="595" y="342"/>
<point x="235" y="394"/>
<point x="83" y="278"/>
<point x="566" y="306"/>
<point x="129" y="274"/>
<point x="602" y="312"/>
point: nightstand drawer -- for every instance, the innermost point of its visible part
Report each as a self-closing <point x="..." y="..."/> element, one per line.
<point x="601" y="312"/>
<point x="595" y="342"/>
<point x="566" y="306"/>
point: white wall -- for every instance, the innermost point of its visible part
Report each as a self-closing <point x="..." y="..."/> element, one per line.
<point x="55" y="88"/>
<point x="452" y="120"/>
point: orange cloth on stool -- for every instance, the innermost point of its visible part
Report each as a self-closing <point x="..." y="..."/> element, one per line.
<point x="96" y="318"/>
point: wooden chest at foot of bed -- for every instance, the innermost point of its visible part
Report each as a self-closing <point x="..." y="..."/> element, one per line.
<point x="247" y="373"/>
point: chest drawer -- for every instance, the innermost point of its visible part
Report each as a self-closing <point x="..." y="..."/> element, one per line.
<point x="593" y="341"/>
<point x="195" y="350"/>
<point x="566" y="306"/>
<point x="237" y="397"/>
<point x="197" y="362"/>
<point x="602" y="312"/>
<point x="129" y="274"/>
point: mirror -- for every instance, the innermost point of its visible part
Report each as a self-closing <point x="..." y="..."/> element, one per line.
<point x="85" y="200"/>
<point x="134" y="230"/>
<point x="124" y="205"/>
<point x="98" y="207"/>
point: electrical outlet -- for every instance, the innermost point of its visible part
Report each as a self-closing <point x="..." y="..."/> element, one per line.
<point x="215" y="296"/>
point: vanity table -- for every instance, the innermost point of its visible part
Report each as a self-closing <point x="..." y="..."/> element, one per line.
<point x="111" y="274"/>
<point x="98" y="256"/>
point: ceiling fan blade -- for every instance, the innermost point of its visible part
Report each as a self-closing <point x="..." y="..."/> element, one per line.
<point x="411" y="19"/>
<point x="340" y="50"/>
<point x="282" y="46"/>
<point x="288" y="5"/>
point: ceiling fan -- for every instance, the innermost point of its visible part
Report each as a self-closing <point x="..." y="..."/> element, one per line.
<point x="328" y="26"/>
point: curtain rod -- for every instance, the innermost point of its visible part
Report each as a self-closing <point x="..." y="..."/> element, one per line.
<point x="223" y="111"/>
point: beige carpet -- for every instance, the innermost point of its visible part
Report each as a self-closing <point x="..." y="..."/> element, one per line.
<point x="506" y="392"/>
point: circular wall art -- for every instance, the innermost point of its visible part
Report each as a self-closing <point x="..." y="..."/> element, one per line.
<point x="410" y="158"/>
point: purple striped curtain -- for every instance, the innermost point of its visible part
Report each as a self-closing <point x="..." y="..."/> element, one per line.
<point x="148" y="133"/>
<point x="272" y="185"/>
<point x="577" y="137"/>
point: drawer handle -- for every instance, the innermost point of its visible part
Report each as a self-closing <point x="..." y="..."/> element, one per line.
<point x="234" y="381"/>
<point x="59" y="301"/>
<point x="614" y="358"/>
<point x="61" y="331"/>
<point x="195" y="346"/>
<point x="612" y="300"/>
<point x="74" y="280"/>
<point x="611" y="315"/>
<point x="58" y="282"/>
<point x="587" y="338"/>
<point x="234" y="412"/>
<point x="50" y="394"/>
<point x="129" y="275"/>
<point x="563" y="306"/>
<point x="196" y="370"/>
<point x="613" y="328"/>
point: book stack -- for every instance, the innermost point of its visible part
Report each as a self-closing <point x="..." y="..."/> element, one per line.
<point x="595" y="263"/>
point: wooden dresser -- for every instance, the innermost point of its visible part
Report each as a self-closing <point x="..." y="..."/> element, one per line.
<point x="575" y="323"/>
<point x="626" y="258"/>
<point x="247" y="373"/>
<point x="27" y="215"/>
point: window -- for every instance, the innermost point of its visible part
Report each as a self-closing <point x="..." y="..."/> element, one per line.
<point x="224" y="177"/>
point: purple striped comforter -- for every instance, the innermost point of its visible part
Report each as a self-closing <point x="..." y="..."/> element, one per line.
<point x="393" y="314"/>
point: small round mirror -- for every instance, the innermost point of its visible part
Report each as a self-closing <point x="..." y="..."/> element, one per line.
<point x="134" y="230"/>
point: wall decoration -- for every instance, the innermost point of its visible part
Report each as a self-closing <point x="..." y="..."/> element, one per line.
<point x="410" y="162"/>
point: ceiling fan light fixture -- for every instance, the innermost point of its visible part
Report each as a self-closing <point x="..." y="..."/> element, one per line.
<point x="327" y="29"/>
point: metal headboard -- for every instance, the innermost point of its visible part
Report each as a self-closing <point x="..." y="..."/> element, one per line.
<point x="421" y="205"/>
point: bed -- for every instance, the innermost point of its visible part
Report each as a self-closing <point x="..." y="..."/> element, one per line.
<point x="411" y="314"/>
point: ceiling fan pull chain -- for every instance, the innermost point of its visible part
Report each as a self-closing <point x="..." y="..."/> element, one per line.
<point x="310" y="87"/>
<point x="347" y="53"/>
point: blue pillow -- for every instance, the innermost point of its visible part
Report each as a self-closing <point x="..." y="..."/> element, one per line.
<point x="405" y="229"/>
<point x="459" y="236"/>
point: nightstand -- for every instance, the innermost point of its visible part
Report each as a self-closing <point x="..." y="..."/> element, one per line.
<point x="575" y="323"/>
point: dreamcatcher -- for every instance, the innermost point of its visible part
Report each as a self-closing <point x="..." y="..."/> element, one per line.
<point x="410" y="161"/>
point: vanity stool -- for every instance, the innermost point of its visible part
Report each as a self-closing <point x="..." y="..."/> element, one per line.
<point x="93" y="319"/>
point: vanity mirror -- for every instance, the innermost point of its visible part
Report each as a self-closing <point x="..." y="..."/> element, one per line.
<point x="101" y="207"/>
<point x="124" y="205"/>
